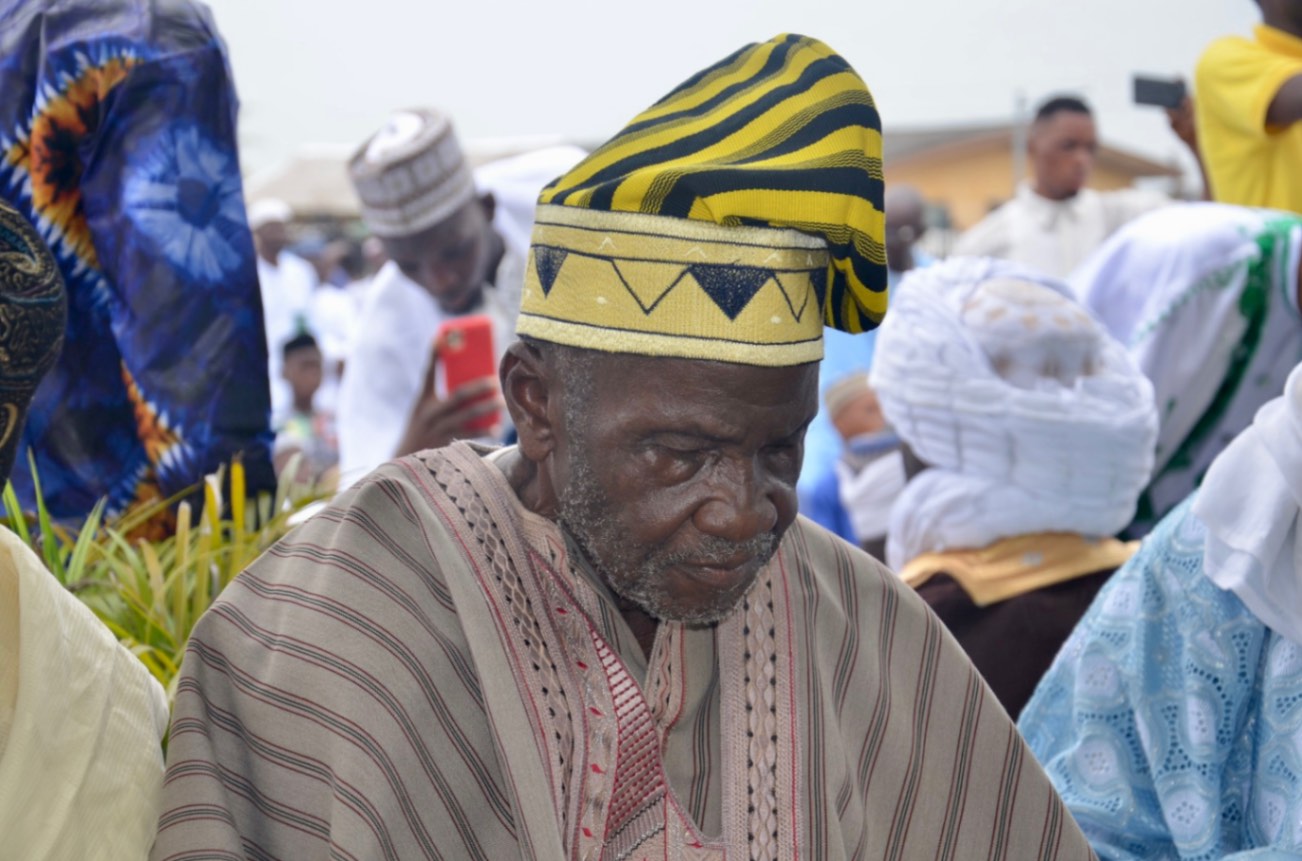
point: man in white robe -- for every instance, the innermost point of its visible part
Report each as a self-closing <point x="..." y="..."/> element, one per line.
<point x="1054" y="222"/>
<point x="447" y="258"/>
<point x="287" y="282"/>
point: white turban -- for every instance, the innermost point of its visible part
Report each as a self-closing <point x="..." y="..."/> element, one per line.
<point x="1030" y="416"/>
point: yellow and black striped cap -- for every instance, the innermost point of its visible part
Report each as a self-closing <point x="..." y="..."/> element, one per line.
<point x="729" y="221"/>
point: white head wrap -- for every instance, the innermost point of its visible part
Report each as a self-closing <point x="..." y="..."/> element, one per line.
<point x="1031" y="417"/>
<point x="411" y="175"/>
<point x="1250" y="503"/>
<point x="269" y="210"/>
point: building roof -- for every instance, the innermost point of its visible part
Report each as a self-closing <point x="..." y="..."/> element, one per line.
<point x="314" y="179"/>
<point x="900" y="145"/>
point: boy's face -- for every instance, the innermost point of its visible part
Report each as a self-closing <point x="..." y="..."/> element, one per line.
<point x="303" y="370"/>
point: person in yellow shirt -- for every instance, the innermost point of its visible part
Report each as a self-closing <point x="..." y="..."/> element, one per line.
<point x="1249" y="111"/>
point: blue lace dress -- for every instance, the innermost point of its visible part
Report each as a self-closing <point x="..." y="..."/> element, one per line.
<point x="1171" y="721"/>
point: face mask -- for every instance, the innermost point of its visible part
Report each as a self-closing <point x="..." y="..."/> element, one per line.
<point x="863" y="449"/>
<point x="868" y="493"/>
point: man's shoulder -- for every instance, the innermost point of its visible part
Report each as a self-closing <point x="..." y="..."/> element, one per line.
<point x="829" y="562"/>
<point x="1223" y="62"/>
<point x="373" y="518"/>
<point x="1230" y="48"/>
<point x="368" y="565"/>
<point x="991" y="236"/>
<point x="186" y="24"/>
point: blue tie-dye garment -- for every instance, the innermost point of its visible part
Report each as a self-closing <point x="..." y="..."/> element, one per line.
<point x="117" y="140"/>
<point x="1171" y="721"/>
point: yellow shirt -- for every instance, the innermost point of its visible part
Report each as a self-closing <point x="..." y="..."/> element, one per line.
<point x="1236" y="81"/>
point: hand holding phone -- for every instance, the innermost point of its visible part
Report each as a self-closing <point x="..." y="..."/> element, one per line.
<point x="459" y="398"/>
<point x="464" y="351"/>
<point x="1166" y="93"/>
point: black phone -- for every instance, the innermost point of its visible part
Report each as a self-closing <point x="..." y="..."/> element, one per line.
<point x="1159" y="92"/>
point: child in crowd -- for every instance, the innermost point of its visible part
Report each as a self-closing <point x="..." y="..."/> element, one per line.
<point x="870" y="473"/>
<point x="304" y="430"/>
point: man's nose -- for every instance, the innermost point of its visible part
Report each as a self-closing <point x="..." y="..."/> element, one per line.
<point x="741" y="504"/>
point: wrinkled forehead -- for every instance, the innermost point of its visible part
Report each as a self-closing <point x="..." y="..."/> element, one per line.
<point x="703" y="391"/>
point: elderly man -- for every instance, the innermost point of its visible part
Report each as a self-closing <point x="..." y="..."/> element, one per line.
<point x="448" y="257"/>
<point x="1029" y="436"/>
<point x="1206" y="298"/>
<point x="1054" y="221"/>
<point x="617" y="640"/>
<point x="1169" y="721"/>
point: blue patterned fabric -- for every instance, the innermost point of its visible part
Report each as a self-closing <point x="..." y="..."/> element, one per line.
<point x="117" y="140"/>
<point x="1171" y="721"/>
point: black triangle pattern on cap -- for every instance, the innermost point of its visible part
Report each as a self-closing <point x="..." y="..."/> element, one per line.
<point x="798" y="313"/>
<point x="646" y="309"/>
<point x="731" y="287"/>
<point x="819" y="279"/>
<point x="548" y="262"/>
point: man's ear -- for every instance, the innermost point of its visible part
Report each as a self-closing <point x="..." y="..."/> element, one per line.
<point x="488" y="203"/>
<point x="527" y="388"/>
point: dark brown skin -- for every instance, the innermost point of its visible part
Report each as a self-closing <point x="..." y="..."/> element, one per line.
<point x="1286" y="108"/>
<point x="453" y="259"/>
<point x="1186" y="129"/>
<point x="303" y="370"/>
<point x="434" y="423"/>
<point x="1062" y="148"/>
<point x="270" y="239"/>
<point x="696" y="449"/>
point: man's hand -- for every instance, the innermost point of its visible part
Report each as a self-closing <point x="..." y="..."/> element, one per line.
<point x="1182" y="123"/>
<point x="435" y="423"/>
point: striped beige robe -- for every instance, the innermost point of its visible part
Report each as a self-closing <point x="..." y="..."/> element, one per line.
<point x="426" y="670"/>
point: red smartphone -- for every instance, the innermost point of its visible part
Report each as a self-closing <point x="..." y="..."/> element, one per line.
<point x="464" y="346"/>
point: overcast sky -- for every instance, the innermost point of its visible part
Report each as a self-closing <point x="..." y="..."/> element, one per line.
<point x="329" y="70"/>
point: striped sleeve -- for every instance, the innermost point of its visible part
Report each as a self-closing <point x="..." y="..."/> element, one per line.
<point x="912" y="752"/>
<point x="328" y="706"/>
